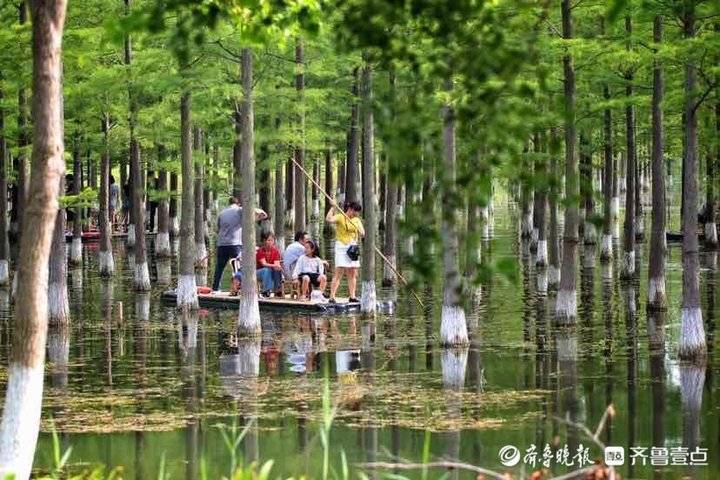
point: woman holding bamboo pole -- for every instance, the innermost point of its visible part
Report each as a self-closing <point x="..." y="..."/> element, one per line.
<point x="348" y="230"/>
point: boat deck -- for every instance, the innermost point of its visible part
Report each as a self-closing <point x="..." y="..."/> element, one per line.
<point x="92" y="236"/>
<point x="225" y="300"/>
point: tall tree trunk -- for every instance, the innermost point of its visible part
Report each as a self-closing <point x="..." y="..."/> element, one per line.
<point x="299" y="150"/>
<point x="368" y="300"/>
<point x="615" y="205"/>
<point x="207" y="169"/>
<point x="329" y="184"/>
<point x="566" y="304"/>
<point x="553" y="274"/>
<point x="173" y="210"/>
<point x="656" y="270"/>
<point x="589" y="230"/>
<point x="264" y="177"/>
<point x="136" y="237"/>
<point x="132" y="119"/>
<point x="237" y="176"/>
<point x="141" y="278"/>
<point x="390" y="242"/>
<point x="352" y="172"/>
<point x="187" y="291"/>
<point x="21" y="184"/>
<point x="315" y="194"/>
<point x="278" y="220"/>
<point x="639" y="224"/>
<point x="692" y="333"/>
<point x="382" y="191"/>
<point x="76" y="245"/>
<point x="4" y="245"/>
<point x="628" y="265"/>
<point x="106" y="263"/>
<point x="711" y="237"/>
<point x="58" y="305"/>
<point x="200" y="248"/>
<point x="526" y="220"/>
<point x="289" y="190"/>
<point x="162" y="239"/>
<point x="473" y="249"/>
<point x="453" y="328"/>
<point x="248" y="322"/>
<point x="606" y="246"/>
<point x="536" y="196"/>
<point x="341" y="169"/>
<point x="23" y="395"/>
<point x="541" y="254"/>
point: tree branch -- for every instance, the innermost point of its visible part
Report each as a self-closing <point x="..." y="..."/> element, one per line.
<point x="227" y="50"/>
<point x="704" y="96"/>
<point x="280" y="57"/>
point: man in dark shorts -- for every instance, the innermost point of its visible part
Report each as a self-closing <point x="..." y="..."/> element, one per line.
<point x="229" y="239"/>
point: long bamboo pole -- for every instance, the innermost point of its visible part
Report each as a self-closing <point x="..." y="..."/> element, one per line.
<point x="377" y="250"/>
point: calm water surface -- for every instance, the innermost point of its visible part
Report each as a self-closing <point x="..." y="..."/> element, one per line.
<point x="132" y="384"/>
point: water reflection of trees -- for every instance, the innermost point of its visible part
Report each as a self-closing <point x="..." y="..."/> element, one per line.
<point x="656" y="350"/>
<point x="631" y="351"/>
<point x="454" y="365"/>
<point x="239" y="367"/>
<point x="609" y="305"/>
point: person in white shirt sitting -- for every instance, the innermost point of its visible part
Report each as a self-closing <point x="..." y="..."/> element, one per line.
<point x="310" y="270"/>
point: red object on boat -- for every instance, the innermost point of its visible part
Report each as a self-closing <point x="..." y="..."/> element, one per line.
<point x="204" y="290"/>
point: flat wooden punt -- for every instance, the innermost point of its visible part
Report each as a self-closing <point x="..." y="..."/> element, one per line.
<point x="225" y="300"/>
<point x="678" y="236"/>
<point x="94" y="235"/>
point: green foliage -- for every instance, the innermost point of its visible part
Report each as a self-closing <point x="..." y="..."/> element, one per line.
<point x="85" y="199"/>
<point x="503" y="57"/>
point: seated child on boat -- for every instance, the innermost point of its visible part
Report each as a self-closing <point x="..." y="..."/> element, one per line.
<point x="310" y="270"/>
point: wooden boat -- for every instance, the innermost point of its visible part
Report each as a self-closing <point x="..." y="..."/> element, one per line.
<point x="674" y="236"/>
<point x="678" y="236"/>
<point x="94" y="235"/>
<point x="225" y="300"/>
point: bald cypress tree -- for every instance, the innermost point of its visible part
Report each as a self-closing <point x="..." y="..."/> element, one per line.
<point x="23" y="396"/>
<point x="566" y="304"/>
<point x="248" y="322"/>
<point x="656" y="270"/>
<point x="368" y="299"/>
<point x="299" y="149"/>
<point x="628" y="265"/>
<point x="187" y="290"/>
<point x="106" y="262"/>
<point x="453" y="326"/>
<point x="692" y="331"/>
<point x="4" y="244"/>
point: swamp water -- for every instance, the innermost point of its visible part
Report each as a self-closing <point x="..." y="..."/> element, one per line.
<point x="132" y="384"/>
